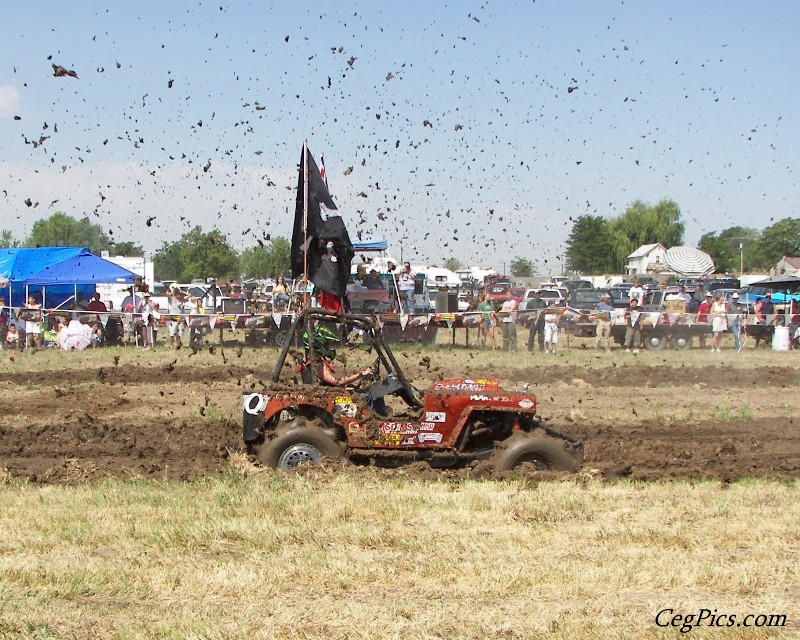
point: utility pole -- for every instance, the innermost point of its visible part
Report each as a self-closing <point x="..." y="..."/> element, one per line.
<point x="741" y="259"/>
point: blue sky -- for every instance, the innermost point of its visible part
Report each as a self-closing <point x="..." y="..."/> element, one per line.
<point x="456" y="118"/>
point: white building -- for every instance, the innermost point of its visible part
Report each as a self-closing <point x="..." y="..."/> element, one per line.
<point x="649" y="258"/>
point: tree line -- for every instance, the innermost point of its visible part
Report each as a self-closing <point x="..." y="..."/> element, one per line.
<point x="196" y="255"/>
<point x="599" y="245"/>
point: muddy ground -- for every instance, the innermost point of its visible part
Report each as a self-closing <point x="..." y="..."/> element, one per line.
<point x="179" y="419"/>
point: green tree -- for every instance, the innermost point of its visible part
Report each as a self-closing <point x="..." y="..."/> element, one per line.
<point x="167" y="263"/>
<point x="645" y="224"/>
<point x="724" y="247"/>
<point x="7" y="239"/>
<point x="720" y="252"/>
<point x="61" y="230"/>
<point x="266" y="261"/>
<point x="522" y="268"/>
<point x="196" y="255"/>
<point x="589" y="246"/>
<point x="777" y="240"/>
<point x="454" y="264"/>
<point x="126" y="249"/>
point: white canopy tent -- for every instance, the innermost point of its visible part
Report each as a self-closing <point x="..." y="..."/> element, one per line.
<point x="688" y="261"/>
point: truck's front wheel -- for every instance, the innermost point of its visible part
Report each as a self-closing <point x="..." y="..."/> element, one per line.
<point x="296" y="446"/>
<point x="543" y="452"/>
<point x="655" y="340"/>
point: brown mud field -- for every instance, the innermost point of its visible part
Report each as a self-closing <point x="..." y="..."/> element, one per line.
<point x="180" y="421"/>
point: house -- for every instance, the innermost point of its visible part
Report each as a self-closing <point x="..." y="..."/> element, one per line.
<point x="787" y="266"/>
<point x="649" y="258"/>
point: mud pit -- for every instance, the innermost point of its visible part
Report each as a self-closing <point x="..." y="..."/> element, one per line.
<point x="179" y="420"/>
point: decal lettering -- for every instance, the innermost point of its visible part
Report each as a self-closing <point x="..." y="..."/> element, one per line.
<point x="525" y="404"/>
<point x="254" y="403"/>
<point x="435" y="416"/>
<point x="427" y="426"/>
<point x="479" y="398"/>
<point x="405" y="428"/>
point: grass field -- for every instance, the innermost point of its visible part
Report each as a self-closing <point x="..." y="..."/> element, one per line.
<point x="366" y="554"/>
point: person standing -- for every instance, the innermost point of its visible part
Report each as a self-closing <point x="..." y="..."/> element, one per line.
<point x="700" y="294"/>
<point x="175" y="323"/>
<point x="702" y="316"/>
<point x="636" y="291"/>
<point x="509" y="323"/>
<point x="633" y="334"/>
<point x="33" y="324"/>
<point x="487" y="321"/>
<point x="604" y="310"/>
<point x="536" y="323"/>
<point x="551" y="319"/>
<point x="758" y="311"/>
<point x="4" y="317"/>
<point x="147" y="309"/>
<point x="719" y="321"/>
<point x="768" y="310"/>
<point x="405" y="285"/>
<point x="735" y="321"/>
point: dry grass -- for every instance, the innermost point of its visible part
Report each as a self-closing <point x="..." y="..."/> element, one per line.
<point x="360" y="554"/>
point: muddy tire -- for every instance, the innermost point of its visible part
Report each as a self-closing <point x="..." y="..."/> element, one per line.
<point x="543" y="452"/>
<point x="280" y="338"/>
<point x="303" y="445"/>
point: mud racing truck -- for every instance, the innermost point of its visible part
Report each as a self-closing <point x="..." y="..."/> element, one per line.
<point x="296" y="419"/>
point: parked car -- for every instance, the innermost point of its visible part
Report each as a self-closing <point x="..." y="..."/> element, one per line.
<point x="585" y="300"/>
<point x="690" y="284"/>
<point x="723" y="283"/>
<point x="556" y="295"/>
<point x="727" y="293"/>
<point x="571" y="285"/>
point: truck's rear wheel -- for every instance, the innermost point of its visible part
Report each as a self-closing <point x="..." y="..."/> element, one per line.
<point x="296" y="446"/>
<point x="544" y="453"/>
<point x="682" y="341"/>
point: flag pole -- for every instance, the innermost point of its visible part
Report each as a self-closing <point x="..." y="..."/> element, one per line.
<point x="305" y="223"/>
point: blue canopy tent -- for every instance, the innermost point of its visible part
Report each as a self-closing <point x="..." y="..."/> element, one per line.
<point x="56" y="274"/>
<point x="370" y="244"/>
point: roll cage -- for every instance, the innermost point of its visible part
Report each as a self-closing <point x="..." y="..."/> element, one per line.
<point x="310" y="318"/>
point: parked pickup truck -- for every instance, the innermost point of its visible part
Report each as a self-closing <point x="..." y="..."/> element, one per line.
<point x="661" y="326"/>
